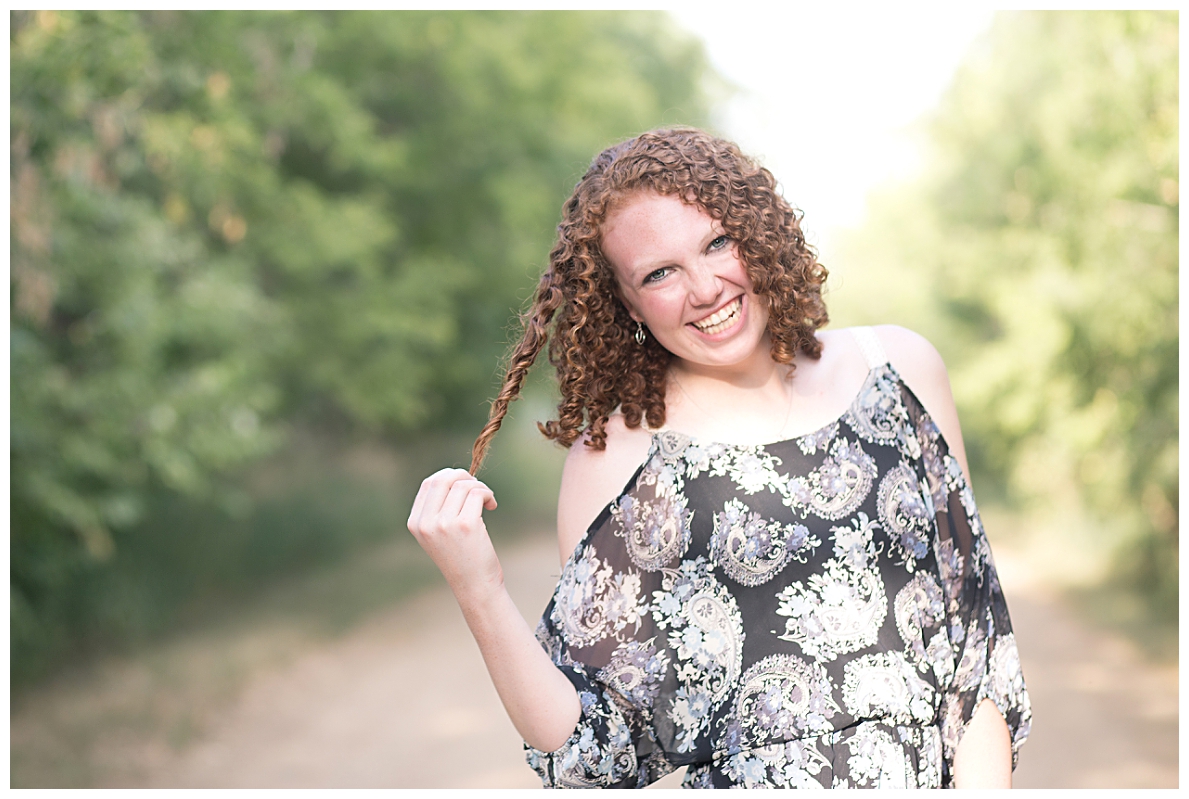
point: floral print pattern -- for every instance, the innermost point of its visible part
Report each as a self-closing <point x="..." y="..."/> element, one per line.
<point x="844" y="605"/>
<point x="906" y="513"/>
<point x="706" y="633"/>
<point x="655" y="532"/>
<point x="837" y="487"/>
<point x="818" y="612"/>
<point x="752" y="549"/>
<point x="884" y="685"/>
<point x="594" y="601"/>
<point x="780" y="698"/>
<point x="635" y="671"/>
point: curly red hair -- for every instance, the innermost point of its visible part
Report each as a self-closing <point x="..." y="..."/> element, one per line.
<point x="599" y="366"/>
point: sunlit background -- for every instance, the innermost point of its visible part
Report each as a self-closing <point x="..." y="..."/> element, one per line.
<point x="830" y="102"/>
<point x="264" y="266"/>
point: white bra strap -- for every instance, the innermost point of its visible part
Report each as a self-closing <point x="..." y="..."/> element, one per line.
<point x="869" y="344"/>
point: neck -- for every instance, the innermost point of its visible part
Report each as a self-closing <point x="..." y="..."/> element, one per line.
<point x="745" y="402"/>
<point x="756" y="372"/>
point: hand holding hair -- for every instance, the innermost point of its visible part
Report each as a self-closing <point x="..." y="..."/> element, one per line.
<point x="447" y="521"/>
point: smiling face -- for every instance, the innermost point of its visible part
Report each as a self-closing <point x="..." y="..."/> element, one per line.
<point x="682" y="278"/>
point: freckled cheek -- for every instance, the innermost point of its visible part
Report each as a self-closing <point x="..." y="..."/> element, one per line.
<point x="663" y="308"/>
<point x="738" y="268"/>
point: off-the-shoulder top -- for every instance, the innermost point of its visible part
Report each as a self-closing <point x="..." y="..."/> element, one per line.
<point x="819" y="612"/>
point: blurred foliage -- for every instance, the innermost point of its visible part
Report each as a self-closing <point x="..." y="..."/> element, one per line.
<point x="229" y="226"/>
<point x="1040" y="255"/>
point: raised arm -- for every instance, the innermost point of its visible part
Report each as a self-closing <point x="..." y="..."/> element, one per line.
<point x="447" y="520"/>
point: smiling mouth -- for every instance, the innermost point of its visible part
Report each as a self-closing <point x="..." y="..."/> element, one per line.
<point x="721" y="319"/>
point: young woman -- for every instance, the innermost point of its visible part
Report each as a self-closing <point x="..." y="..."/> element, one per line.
<point x="774" y="572"/>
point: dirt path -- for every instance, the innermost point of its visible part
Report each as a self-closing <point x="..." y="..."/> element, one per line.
<point x="404" y="701"/>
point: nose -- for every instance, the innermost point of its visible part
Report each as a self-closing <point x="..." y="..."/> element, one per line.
<point x="705" y="285"/>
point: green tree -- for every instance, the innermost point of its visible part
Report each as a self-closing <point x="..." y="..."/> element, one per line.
<point x="226" y="225"/>
<point x="1040" y="253"/>
<point x="128" y="326"/>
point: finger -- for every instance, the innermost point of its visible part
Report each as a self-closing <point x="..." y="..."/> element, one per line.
<point x="488" y="495"/>
<point x="433" y="492"/>
<point x="476" y="500"/>
<point x="418" y="505"/>
<point x="430" y="486"/>
<point x="456" y="504"/>
<point x="453" y="504"/>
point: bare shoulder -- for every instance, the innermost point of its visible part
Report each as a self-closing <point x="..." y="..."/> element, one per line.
<point x="916" y="359"/>
<point x="838" y="348"/>
<point x="923" y="370"/>
<point x="591" y="478"/>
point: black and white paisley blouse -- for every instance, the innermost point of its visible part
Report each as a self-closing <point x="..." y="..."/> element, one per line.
<point x="818" y="612"/>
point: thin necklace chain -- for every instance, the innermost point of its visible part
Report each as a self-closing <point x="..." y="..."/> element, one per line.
<point x="784" y="425"/>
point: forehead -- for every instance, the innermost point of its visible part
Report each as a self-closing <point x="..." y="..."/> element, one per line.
<point x="647" y="202"/>
<point x="645" y="226"/>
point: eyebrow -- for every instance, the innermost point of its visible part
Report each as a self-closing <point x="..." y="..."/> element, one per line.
<point x="648" y="267"/>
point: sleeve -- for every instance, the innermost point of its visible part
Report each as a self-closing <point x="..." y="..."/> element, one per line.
<point x="600" y="753"/>
<point x="981" y="659"/>
<point x="599" y="631"/>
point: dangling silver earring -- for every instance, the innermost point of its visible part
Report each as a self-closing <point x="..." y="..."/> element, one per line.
<point x="639" y="333"/>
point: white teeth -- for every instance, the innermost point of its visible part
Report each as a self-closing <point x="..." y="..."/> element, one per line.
<point x="722" y="319"/>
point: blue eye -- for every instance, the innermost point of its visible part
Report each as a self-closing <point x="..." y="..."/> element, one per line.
<point x="720" y="242"/>
<point x="656" y="275"/>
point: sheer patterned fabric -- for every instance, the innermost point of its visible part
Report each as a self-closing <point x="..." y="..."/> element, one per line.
<point x="817" y="612"/>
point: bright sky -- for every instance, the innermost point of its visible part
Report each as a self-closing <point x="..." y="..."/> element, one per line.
<point x="828" y="92"/>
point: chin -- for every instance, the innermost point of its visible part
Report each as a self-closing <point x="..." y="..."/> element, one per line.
<point x="736" y="353"/>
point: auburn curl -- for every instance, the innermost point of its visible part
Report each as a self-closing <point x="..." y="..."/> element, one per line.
<point x="599" y="365"/>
